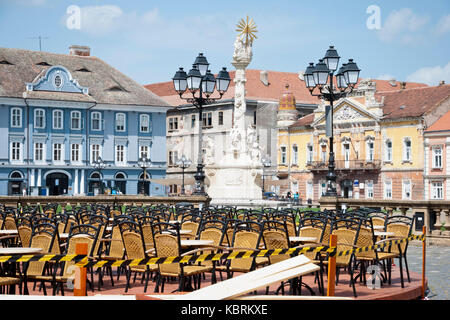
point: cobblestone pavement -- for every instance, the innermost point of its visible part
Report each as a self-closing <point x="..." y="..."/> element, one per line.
<point x="437" y="268"/>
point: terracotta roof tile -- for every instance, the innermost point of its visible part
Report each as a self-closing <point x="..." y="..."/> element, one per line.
<point x="412" y="102"/>
<point x="443" y="124"/>
<point x="257" y="90"/>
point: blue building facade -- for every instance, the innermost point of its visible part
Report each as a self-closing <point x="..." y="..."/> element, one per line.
<point x="77" y="131"/>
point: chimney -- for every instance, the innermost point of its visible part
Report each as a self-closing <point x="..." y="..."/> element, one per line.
<point x="403" y="84"/>
<point x="441" y="83"/>
<point x="264" y="77"/>
<point x="83" y="51"/>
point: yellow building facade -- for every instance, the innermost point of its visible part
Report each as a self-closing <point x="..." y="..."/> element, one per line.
<point x="378" y="145"/>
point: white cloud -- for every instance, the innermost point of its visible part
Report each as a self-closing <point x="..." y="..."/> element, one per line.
<point x="100" y="19"/>
<point x="402" y="26"/>
<point x="443" y="25"/>
<point x="431" y="75"/>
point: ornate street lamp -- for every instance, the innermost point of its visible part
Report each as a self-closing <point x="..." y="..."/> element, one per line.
<point x="266" y="164"/>
<point x="201" y="84"/>
<point x="99" y="165"/>
<point x="143" y="163"/>
<point x="183" y="163"/>
<point x="320" y="77"/>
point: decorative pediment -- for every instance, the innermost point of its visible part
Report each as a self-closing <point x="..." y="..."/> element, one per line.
<point x="348" y="111"/>
<point x="59" y="79"/>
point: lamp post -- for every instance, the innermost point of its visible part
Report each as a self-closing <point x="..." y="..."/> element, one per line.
<point x="266" y="164"/>
<point x="319" y="79"/>
<point x="183" y="163"/>
<point x="201" y="84"/>
<point x="99" y="165"/>
<point x="143" y="164"/>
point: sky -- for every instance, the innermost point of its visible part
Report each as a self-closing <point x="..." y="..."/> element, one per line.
<point x="149" y="40"/>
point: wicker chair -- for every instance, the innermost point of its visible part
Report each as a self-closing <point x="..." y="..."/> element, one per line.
<point x="166" y="237"/>
<point x="246" y="236"/>
<point x="43" y="236"/>
<point x="133" y="242"/>
<point x="82" y="233"/>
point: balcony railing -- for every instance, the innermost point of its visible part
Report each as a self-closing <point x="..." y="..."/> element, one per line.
<point x="345" y="165"/>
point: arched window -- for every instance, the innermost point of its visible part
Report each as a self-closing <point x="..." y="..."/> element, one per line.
<point x="120" y="122"/>
<point x="16" y="175"/>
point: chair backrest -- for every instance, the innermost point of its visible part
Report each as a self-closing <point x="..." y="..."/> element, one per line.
<point x="146" y="223"/>
<point x="82" y="233"/>
<point x="246" y="235"/>
<point x="366" y="238"/>
<point x="9" y="222"/>
<point x="275" y="236"/>
<point x="24" y="235"/>
<point x="346" y="239"/>
<point x="133" y="240"/>
<point x="41" y="238"/>
<point x="401" y="226"/>
<point x="166" y="237"/>
<point x="116" y="247"/>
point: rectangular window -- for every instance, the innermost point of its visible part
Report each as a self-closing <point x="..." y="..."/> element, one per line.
<point x="437" y="190"/>
<point x="57" y="119"/>
<point x="16" y="151"/>
<point x="96" y="121"/>
<point x="145" y="122"/>
<point x="369" y="189"/>
<point x="220" y="118"/>
<point x="57" y="152"/>
<point x="193" y="121"/>
<point x="16" y="118"/>
<point x="120" y="122"/>
<point x="406" y="189"/>
<point x="310" y="154"/>
<point x="294" y="155"/>
<point x="207" y="119"/>
<point x="323" y="153"/>
<point x="437" y="158"/>
<point x="388" y="189"/>
<point x="173" y="157"/>
<point x="143" y="152"/>
<point x="388" y="151"/>
<point x="38" y="151"/>
<point x="39" y="119"/>
<point x="407" y="151"/>
<point x="283" y="155"/>
<point x="95" y="152"/>
<point x="75" y="152"/>
<point x="75" y="120"/>
<point x="370" y="151"/>
<point x="120" y="153"/>
<point x="254" y="118"/>
<point x="173" y="123"/>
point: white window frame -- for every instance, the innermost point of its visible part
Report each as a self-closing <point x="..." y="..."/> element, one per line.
<point x="42" y="125"/>
<point x="283" y="155"/>
<point x="172" y="124"/>
<point x="294" y="155"/>
<point x="437" y="190"/>
<point x="207" y="120"/>
<point x="406" y="189"/>
<point x="61" y="156"/>
<point x="143" y="148"/>
<point x="72" y="117"/>
<point x="42" y="151"/>
<point x="220" y="118"/>
<point x="16" y="152"/>
<point x="370" y="151"/>
<point x="142" y="119"/>
<point x="78" y="152"/>
<point x="437" y="158"/>
<point x="60" y="119"/>
<point x="173" y="158"/>
<point x="96" y="116"/>
<point x="388" y="154"/>
<point x="16" y="119"/>
<point x="407" y="151"/>
<point x="387" y="189"/>
<point x="120" y="154"/>
<point x="309" y="190"/>
<point x="98" y="152"/>
<point x="323" y="153"/>
<point x="309" y="153"/>
<point x="117" y="123"/>
<point x="369" y="190"/>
